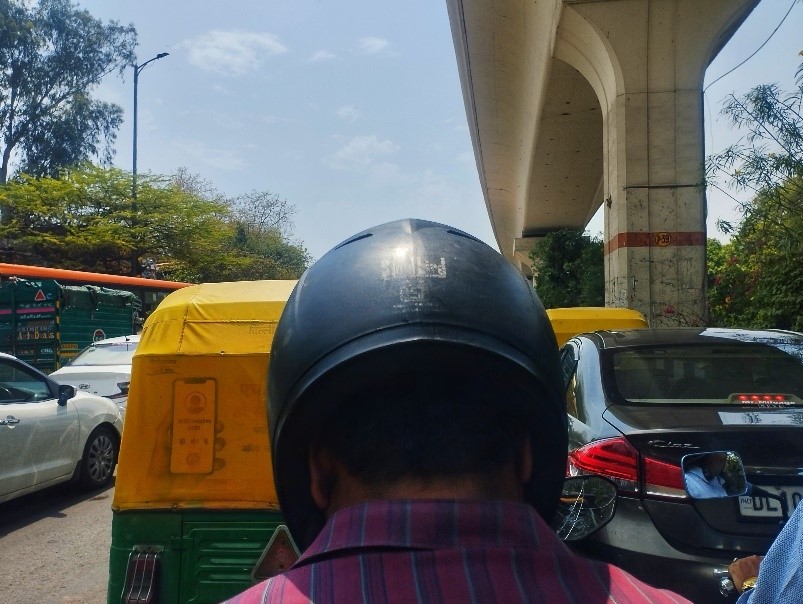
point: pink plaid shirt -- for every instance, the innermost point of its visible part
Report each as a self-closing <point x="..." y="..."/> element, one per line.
<point x="446" y="551"/>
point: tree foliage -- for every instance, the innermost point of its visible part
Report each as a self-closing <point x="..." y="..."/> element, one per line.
<point x="756" y="280"/>
<point x="569" y="269"/>
<point x="52" y="55"/>
<point x="85" y="220"/>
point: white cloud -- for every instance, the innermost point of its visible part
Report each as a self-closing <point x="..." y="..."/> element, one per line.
<point x="467" y="159"/>
<point x="274" y="119"/>
<point x="106" y="91"/>
<point x="373" y="46"/>
<point x="360" y="153"/>
<point x="348" y="113"/>
<point x="228" y="121"/>
<point x="435" y="197"/>
<point x="147" y="123"/>
<point x="321" y="56"/>
<point x="223" y="159"/>
<point x="457" y="123"/>
<point x="387" y="173"/>
<point x="232" y="52"/>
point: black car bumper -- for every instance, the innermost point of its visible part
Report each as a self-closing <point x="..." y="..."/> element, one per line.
<point x="632" y="542"/>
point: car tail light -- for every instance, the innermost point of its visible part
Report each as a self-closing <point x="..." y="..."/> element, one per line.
<point x="662" y="479"/>
<point x="617" y="459"/>
<point x="613" y="458"/>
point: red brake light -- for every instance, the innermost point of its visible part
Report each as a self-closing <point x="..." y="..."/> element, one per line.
<point x="617" y="459"/>
<point x="762" y="398"/>
<point x="611" y="457"/>
<point x="659" y="476"/>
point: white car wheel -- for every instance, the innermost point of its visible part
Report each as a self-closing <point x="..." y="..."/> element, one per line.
<point x="100" y="457"/>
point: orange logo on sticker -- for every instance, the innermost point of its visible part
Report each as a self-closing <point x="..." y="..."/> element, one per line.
<point x="195" y="402"/>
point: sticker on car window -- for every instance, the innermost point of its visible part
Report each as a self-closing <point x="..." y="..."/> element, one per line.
<point x="781" y="417"/>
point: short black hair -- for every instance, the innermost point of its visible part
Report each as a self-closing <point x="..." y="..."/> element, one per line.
<point x="426" y="426"/>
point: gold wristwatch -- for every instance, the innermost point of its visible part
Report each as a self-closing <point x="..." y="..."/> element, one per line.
<point x="749" y="583"/>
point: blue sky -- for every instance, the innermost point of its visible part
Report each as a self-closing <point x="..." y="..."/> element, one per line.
<point x="350" y="110"/>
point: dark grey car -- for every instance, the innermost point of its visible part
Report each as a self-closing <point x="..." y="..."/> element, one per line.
<point x="639" y="400"/>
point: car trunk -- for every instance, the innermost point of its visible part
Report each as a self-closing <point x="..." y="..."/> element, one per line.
<point x="770" y="443"/>
<point x="104" y="383"/>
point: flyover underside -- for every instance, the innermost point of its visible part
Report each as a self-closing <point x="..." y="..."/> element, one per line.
<point x="577" y="103"/>
<point x="565" y="188"/>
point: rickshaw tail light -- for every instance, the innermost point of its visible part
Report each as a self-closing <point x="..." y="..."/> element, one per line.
<point x="142" y="575"/>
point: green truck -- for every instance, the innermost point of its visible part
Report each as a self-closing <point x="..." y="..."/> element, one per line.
<point x="46" y="324"/>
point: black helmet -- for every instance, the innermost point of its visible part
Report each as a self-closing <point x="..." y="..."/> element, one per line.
<point x="401" y="297"/>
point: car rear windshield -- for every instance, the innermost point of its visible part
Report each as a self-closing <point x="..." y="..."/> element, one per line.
<point x="746" y="373"/>
<point x="106" y="354"/>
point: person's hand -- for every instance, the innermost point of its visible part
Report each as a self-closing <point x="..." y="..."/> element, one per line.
<point x="742" y="569"/>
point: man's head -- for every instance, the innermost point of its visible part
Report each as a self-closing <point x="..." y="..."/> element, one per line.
<point x="420" y="348"/>
<point x="425" y="436"/>
<point x="714" y="463"/>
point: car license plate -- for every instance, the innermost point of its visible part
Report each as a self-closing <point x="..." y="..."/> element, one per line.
<point x="762" y="507"/>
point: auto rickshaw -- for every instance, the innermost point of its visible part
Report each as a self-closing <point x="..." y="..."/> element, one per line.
<point x="568" y="322"/>
<point x="194" y="503"/>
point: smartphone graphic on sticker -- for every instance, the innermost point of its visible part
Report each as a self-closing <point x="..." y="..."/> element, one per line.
<point x="194" y="410"/>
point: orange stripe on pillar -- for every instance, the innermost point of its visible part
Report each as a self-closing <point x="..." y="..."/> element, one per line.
<point x="656" y="239"/>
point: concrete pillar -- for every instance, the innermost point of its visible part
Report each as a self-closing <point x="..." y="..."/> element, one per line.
<point x="650" y="89"/>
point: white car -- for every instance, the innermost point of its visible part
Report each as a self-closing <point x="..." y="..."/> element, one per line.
<point x="51" y="433"/>
<point x="103" y="368"/>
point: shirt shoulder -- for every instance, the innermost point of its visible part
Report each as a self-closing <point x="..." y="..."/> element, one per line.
<point x="277" y="590"/>
<point x="625" y="587"/>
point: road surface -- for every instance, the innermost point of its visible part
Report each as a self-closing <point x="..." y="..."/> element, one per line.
<point x="54" y="547"/>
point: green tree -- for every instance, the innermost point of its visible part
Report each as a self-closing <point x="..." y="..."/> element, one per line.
<point x="263" y="224"/>
<point x="52" y="55"/>
<point x="569" y="269"/>
<point x="258" y="241"/>
<point x="730" y="285"/>
<point x="85" y="220"/>
<point x="757" y="277"/>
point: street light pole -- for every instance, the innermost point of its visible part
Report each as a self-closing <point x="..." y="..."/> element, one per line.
<point x="137" y="70"/>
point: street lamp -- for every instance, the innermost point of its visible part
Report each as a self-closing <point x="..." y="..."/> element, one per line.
<point x="137" y="69"/>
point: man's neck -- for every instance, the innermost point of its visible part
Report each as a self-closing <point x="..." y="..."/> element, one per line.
<point x="349" y="491"/>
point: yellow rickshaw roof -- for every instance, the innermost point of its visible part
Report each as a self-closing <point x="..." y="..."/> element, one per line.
<point x="190" y="320"/>
<point x="196" y="432"/>
<point x="568" y="322"/>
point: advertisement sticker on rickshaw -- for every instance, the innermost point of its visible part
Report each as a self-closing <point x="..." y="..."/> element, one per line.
<point x="193" y="448"/>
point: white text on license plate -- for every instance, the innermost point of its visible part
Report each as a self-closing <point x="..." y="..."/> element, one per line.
<point x="762" y="507"/>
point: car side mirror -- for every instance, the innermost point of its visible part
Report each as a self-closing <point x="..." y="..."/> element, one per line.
<point x="66" y="392"/>
<point x="714" y="475"/>
<point x="587" y="503"/>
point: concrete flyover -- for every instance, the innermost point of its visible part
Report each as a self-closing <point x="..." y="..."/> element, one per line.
<point x="577" y="103"/>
